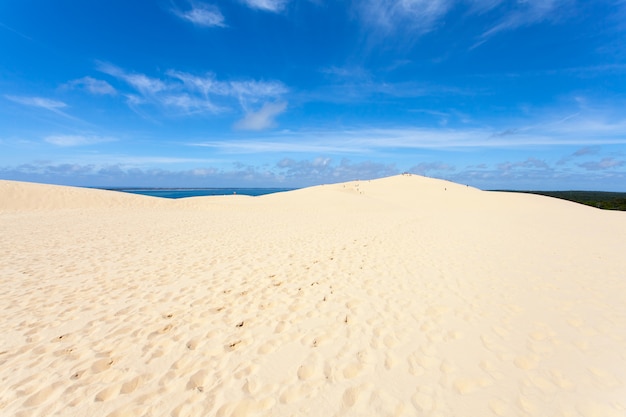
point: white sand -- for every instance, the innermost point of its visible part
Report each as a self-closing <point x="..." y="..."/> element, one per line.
<point x="404" y="296"/>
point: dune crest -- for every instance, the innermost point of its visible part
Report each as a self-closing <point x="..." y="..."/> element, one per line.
<point x="401" y="296"/>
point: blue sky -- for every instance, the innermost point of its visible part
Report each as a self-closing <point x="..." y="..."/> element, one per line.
<point x="526" y="94"/>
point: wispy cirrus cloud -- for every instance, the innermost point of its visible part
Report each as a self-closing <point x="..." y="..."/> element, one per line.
<point x="483" y="6"/>
<point x="205" y="85"/>
<point x="190" y="104"/>
<point x="568" y="131"/>
<point x="50" y="105"/>
<point x="93" y="86"/>
<point x="202" y="14"/>
<point x="244" y="90"/>
<point x="274" y="6"/>
<point x="418" y="16"/>
<point x="525" y="13"/>
<point x="41" y="102"/>
<point x="76" y="140"/>
<point x="141" y="82"/>
<point x="196" y="94"/>
<point x="254" y="90"/>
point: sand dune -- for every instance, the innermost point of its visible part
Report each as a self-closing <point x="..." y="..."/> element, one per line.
<point x="404" y="296"/>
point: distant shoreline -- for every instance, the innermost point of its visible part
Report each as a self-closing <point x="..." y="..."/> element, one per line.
<point x="175" y="193"/>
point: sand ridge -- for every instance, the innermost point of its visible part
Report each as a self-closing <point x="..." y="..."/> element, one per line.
<point x="401" y="296"/>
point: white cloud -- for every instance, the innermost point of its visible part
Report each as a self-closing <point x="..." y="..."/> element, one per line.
<point x="53" y="106"/>
<point x="420" y="16"/>
<point x="242" y="89"/>
<point x="76" y="140"/>
<point x="483" y="6"/>
<point x="324" y="170"/>
<point x="252" y="89"/>
<point x="196" y="94"/>
<point x="424" y="168"/>
<point x="564" y="131"/>
<point x="529" y="163"/>
<point x="267" y="5"/>
<point x="205" y="85"/>
<point x="144" y="84"/>
<point x="262" y="119"/>
<point x="93" y="86"/>
<point x="190" y="104"/>
<point x="603" y="164"/>
<point x="44" y="103"/>
<point x="527" y="13"/>
<point x="202" y="15"/>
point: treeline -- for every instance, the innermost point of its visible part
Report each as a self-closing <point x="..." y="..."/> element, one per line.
<point x="600" y="199"/>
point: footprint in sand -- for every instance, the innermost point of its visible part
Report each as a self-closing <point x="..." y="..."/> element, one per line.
<point x="542" y="384"/>
<point x="134" y="383"/>
<point x="526" y="405"/>
<point x="390" y="361"/>
<point x="246" y="371"/>
<point x="308" y="368"/>
<point x="351" y="396"/>
<point x="526" y="362"/>
<point x="101" y="365"/>
<point x="197" y="380"/>
<point x="424" y="400"/>
<point x="281" y="327"/>
<point x="560" y="380"/>
<point x="192" y="344"/>
<point x="464" y="386"/>
<point x="294" y="393"/>
<point x="386" y="404"/>
<point x="419" y="362"/>
<point x="246" y="407"/>
<point x="43" y="395"/>
<point x="499" y="407"/>
<point x="604" y="378"/>
<point x="108" y="393"/>
<point x="352" y="370"/>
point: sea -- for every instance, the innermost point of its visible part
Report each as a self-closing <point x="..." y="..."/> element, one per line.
<point x="199" y="192"/>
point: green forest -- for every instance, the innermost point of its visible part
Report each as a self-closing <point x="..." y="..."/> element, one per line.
<point x="598" y="199"/>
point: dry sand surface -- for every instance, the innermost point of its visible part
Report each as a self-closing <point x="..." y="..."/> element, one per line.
<point x="404" y="296"/>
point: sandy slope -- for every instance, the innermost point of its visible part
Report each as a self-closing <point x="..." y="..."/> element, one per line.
<point x="402" y="296"/>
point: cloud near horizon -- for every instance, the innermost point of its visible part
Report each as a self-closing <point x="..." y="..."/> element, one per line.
<point x="288" y="172"/>
<point x="76" y="140"/>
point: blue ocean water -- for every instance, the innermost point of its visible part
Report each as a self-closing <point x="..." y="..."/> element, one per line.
<point x="199" y="192"/>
